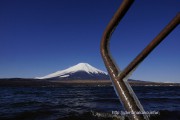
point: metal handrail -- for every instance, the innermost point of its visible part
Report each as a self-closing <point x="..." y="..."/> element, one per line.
<point x="119" y="78"/>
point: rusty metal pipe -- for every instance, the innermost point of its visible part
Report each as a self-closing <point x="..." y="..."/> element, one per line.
<point x="107" y="34"/>
<point x="119" y="78"/>
<point x="150" y="47"/>
<point x="122" y="88"/>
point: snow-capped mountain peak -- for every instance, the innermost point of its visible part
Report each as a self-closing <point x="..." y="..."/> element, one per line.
<point x="81" y="67"/>
<point x="85" y="67"/>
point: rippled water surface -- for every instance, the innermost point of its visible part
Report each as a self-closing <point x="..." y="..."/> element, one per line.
<point x="83" y="102"/>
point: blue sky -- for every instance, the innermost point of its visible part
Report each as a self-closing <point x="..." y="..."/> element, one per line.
<point x="39" y="37"/>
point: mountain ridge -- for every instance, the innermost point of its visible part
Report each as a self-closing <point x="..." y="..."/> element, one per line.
<point x="79" y="71"/>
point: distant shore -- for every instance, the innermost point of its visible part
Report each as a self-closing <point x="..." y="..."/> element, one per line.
<point x="20" y="82"/>
<point x="50" y="83"/>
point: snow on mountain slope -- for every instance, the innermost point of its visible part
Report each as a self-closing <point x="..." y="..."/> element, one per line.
<point x="79" y="71"/>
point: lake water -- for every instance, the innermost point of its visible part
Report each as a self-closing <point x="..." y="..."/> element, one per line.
<point x="84" y="103"/>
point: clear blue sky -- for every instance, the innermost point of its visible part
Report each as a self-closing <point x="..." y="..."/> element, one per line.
<point x="38" y="37"/>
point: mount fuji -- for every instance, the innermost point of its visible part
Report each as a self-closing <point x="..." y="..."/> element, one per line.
<point x="81" y="71"/>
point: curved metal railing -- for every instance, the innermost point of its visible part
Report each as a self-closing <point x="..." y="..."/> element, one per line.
<point x="119" y="78"/>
